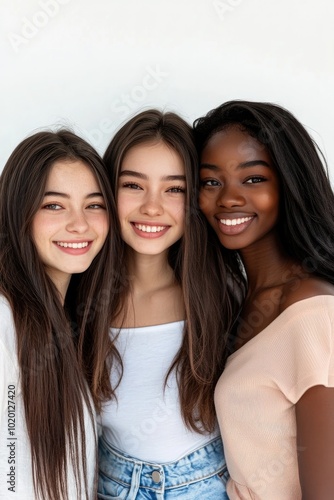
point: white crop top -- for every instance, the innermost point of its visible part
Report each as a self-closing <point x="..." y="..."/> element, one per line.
<point x="145" y="421"/>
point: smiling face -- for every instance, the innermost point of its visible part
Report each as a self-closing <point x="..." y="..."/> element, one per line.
<point x="239" y="188"/>
<point x="71" y="225"/>
<point x="151" y="198"/>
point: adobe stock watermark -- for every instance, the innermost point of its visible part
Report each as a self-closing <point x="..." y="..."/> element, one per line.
<point x="31" y="26"/>
<point x="277" y="467"/>
<point x="225" y="7"/>
<point x="127" y="103"/>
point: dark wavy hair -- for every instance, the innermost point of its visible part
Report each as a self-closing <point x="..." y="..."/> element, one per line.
<point x="208" y="303"/>
<point x="306" y="219"/>
<point x="55" y="363"/>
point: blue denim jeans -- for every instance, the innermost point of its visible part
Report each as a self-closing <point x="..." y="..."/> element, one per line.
<point x="202" y="474"/>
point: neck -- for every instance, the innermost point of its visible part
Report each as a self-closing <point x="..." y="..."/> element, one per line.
<point x="267" y="265"/>
<point x="61" y="283"/>
<point x="148" y="272"/>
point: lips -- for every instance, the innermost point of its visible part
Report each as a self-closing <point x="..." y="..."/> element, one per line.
<point x="149" y="230"/>
<point x="74" y="247"/>
<point x="66" y="244"/>
<point x="233" y="224"/>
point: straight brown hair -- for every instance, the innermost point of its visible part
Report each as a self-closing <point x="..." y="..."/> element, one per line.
<point x="209" y="303"/>
<point x="52" y="352"/>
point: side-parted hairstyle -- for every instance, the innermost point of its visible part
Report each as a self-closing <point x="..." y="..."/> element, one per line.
<point x="55" y="360"/>
<point x="306" y="218"/>
<point x="208" y="304"/>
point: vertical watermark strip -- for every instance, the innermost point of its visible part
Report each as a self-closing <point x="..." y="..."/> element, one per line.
<point x="11" y="439"/>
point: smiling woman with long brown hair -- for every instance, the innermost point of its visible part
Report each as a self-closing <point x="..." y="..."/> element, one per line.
<point x="159" y="430"/>
<point x="55" y="213"/>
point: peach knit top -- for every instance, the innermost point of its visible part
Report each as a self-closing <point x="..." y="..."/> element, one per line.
<point x="256" y="394"/>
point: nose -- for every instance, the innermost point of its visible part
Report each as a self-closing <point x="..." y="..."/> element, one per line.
<point x="152" y="205"/>
<point x="230" y="196"/>
<point x="77" y="222"/>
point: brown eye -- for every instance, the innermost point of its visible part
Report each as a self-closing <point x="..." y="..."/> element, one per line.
<point x="52" y="206"/>
<point x="209" y="183"/>
<point x="255" y="180"/>
<point x="131" y="185"/>
<point x="176" y="189"/>
<point x="96" y="206"/>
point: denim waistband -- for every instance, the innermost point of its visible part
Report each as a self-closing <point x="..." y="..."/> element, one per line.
<point x="200" y="464"/>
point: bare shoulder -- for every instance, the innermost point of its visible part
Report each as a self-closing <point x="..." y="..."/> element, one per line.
<point x="304" y="289"/>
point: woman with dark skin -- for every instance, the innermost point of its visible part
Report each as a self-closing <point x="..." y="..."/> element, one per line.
<point x="266" y="194"/>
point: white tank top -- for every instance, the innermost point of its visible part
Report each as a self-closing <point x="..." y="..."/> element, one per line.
<point x="145" y="421"/>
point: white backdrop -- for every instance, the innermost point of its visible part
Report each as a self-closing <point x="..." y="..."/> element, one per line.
<point x="91" y="64"/>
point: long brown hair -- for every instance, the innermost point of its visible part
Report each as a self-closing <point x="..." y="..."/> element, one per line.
<point x="208" y="301"/>
<point x="52" y="355"/>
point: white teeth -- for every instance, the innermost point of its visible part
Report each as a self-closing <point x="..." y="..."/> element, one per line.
<point x="150" y="229"/>
<point x="84" y="244"/>
<point x="234" y="222"/>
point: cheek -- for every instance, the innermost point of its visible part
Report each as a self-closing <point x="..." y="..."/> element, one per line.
<point x="105" y="227"/>
<point x="178" y="209"/>
<point x="41" y="228"/>
<point x="205" y="202"/>
<point x="125" y="205"/>
<point x="182" y="220"/>
<point x="268" y="202"/>
<point x="120" y="211"/>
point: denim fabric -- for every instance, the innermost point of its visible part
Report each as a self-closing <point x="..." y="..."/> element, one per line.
<point x="202" y="474"/>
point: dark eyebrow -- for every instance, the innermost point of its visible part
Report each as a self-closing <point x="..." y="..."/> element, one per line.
<point x="209" y="167"/>
<point x="174" y="178"/>
<point x="64" y="195"/>
<point x="244" y="164"/>
<point x="253" y="163"/>
<point x="139" y="175"/>
<point x="133" y="173"/>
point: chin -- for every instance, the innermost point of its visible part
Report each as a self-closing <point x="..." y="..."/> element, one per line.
<point x="78" y="270"/>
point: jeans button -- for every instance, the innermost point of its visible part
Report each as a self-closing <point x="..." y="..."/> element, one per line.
<point x="156" y="476"/>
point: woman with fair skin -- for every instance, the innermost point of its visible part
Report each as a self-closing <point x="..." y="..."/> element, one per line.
<point x="266" y="194"/>
<point x="159" y="433"/>
<point x="55" y="212"/>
